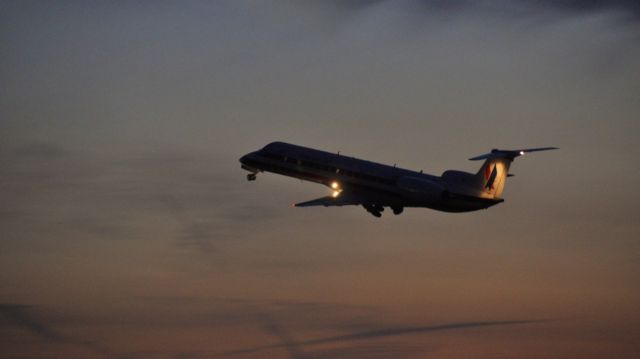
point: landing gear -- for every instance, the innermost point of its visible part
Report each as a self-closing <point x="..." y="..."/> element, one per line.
<point x="251" y="177"/>
<point x="397" y="210"/>
<point x="374" y="209"/>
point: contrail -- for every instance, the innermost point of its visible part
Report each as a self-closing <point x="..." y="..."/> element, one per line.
<point x="381" y="333"/>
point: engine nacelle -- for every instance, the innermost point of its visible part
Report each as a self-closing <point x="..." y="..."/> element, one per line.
<point x="460" y="182"/>
<point x="459" y="177"/>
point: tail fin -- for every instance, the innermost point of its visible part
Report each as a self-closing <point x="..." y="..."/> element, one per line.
<point x="492" y="176"/>
<point x="495" y="170"/>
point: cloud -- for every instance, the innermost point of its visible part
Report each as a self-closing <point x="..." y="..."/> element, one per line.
<point x="293" y="348"/>
<point x="270" y="314"/>
<point x="39" y="150"/>
<point x="382" y="350"/>
<point x="381" y="333"/>
<point x="107" y="195"/>
<point x="286" y="319"/>
<point x="589" y="5"/>
<point x="460" y="5"/>
<point x="25" y="317"/>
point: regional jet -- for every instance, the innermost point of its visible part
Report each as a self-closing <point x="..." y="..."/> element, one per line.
<point x="375" y="186"/>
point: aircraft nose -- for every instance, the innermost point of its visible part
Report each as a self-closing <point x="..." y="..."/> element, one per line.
<point x="247" y="158"/>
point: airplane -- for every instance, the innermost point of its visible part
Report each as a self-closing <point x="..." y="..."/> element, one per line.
<point x="375" y="186"/>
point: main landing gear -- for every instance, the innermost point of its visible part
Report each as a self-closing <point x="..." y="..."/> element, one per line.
<point x="374" y="209"/>
<point x="251" y="177"/>
<point x="377" y="210"/>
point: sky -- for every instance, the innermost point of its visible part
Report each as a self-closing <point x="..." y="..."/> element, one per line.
<point x="128" y="229"/>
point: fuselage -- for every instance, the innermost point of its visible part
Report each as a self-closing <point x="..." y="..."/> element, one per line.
<point x="373" y="183"/>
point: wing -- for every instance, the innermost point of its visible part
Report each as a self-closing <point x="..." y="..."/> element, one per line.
<point x="342" y="200"/>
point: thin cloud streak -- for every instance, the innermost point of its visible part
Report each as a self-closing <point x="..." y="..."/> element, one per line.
<point x="23" y="316"/>
<point x="294" y="349"/>
<point x="382" y="333"/>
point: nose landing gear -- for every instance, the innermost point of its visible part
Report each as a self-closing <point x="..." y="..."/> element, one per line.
<point x="251" y="177"/>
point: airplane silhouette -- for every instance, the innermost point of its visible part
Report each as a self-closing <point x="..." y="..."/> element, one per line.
<point x="376" y="186"/>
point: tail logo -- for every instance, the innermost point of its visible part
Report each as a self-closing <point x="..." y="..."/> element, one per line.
<point x="490" y="176"/>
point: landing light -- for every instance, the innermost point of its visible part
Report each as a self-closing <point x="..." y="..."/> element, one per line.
<point x="335" y="194"/>
<point x="521" y="153"/>
<point x="335" y="185"/>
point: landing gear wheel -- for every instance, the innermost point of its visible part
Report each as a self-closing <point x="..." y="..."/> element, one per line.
<point x="374" y="209"/>
<point x="251" y="177"/>
<point x="397" y="210"/>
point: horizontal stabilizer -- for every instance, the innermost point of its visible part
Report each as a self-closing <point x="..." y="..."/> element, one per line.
<point x="510" y="154"/>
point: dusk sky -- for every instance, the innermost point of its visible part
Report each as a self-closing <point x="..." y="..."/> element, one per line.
<point x="129" y="230"/>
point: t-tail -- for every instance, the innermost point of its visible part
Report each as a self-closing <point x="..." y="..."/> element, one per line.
<point x="493" y="174"/>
